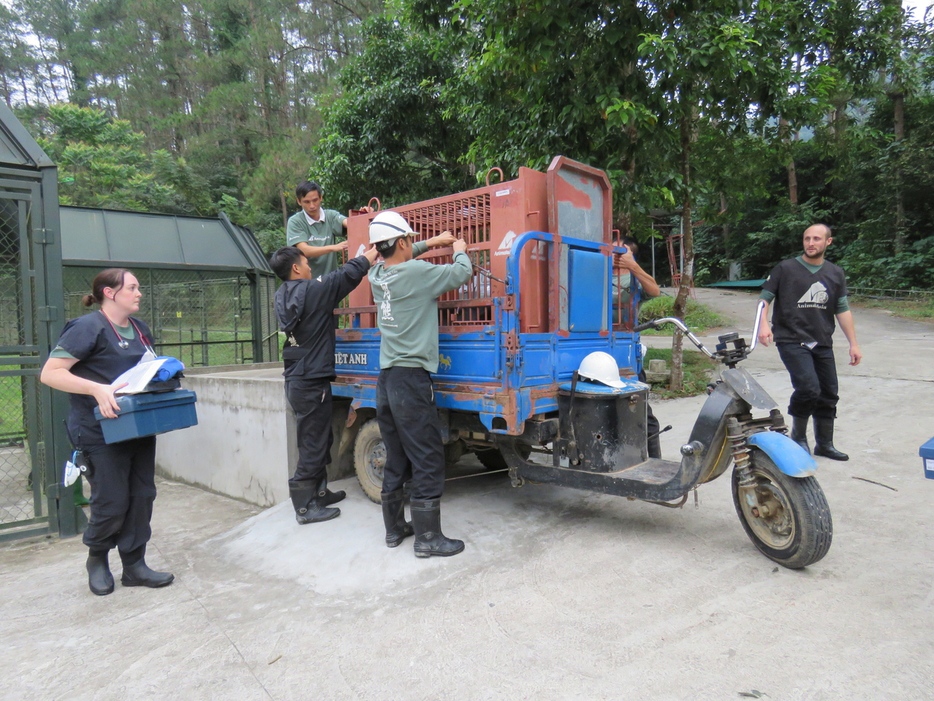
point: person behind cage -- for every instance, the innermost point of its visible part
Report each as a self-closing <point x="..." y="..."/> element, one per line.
<point x="305" y="312"/>
<point x="92" y="351"/>
<point x="808" y="293"/>
<point x="405" y="292"/>
<point x="315" y="230"/>
<point x="650" y="290"/>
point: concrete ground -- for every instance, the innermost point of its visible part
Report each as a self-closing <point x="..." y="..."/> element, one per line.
<point x="559" y="594"/>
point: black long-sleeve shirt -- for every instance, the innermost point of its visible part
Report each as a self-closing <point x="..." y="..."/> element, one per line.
<point x="305" y="311"/>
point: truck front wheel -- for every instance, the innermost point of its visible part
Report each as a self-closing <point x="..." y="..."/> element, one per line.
<point x="787" y="518"/>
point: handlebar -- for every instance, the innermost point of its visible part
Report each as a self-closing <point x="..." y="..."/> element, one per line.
<point x="682" y="326"/>
<point x="755" y="329"/>
<point x="654" y="324"/>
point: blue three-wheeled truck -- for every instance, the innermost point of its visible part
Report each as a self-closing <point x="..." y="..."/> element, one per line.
<point x="544" y="295"/>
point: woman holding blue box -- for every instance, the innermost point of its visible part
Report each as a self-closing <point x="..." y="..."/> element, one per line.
<point x="92" y="351"/>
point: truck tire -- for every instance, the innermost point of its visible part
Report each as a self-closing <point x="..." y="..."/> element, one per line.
<point x="789" y="520"/>
<point x="369" y="459"/>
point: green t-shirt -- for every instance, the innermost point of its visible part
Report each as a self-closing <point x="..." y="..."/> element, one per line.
<point x="322" y="233"/>
<point x="407" y="307"/>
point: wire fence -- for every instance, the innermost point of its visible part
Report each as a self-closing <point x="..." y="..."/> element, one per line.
<point x="203" y="318"/>
<point x="21" y="432"/>
<point x="882" y="293"/>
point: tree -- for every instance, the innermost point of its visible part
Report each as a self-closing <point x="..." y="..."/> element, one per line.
<point x="704" y="65"/>
<point x="62" y="25"/>
<point x="215" y="82"/>
<point x="101" y="163"/>
<point x="390" y="133"/>
<point x="532" y="82"/>
<point x="282" y="166"/>
<point x="18" y="63"/>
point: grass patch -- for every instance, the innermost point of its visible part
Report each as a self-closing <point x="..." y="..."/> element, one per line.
<point x="698" y="371"/>
<point x="697" y="316"/>
<point x="12" y="424"/>
<point x="919" y="309"/>
<point x="205" y="347"/>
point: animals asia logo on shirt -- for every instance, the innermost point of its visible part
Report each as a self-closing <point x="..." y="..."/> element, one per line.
<point x="815" y="298"/>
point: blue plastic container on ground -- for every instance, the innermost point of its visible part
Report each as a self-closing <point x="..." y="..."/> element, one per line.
<point x="927" y="456"/>
<point x="148" y="414"/>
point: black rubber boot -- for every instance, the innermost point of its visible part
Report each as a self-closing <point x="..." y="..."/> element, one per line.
<point x="799" y="432"/>
<point x="139" y="574"/>
<point x="429" y="540"/>
<point x="397" y="528"/>
<point x="100" y="580"/>
<point x="309" y="503"/>
<point x="333" y="497"/>
<point x="823" y="440"/>
<point x="329" y="496"/>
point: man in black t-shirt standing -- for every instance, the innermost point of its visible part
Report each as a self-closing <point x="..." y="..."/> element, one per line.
<point x="808" y="292"/>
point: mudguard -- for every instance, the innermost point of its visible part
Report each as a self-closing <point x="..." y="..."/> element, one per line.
<point x="751" y="391"/>
<point x="788" y="456"/>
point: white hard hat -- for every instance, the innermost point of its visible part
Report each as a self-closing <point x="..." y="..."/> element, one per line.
<point x="600" y="367"/>
<point x="387" y="226"/>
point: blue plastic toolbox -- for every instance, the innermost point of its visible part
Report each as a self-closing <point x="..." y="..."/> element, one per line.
<point x="927" y="457"/>
<point x="149" y="413"/>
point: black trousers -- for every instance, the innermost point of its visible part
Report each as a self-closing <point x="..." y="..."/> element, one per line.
<point x="123" y="489"/>
<point x="652" y="426"/>
<point x="411" y="432"/>
<point x="813" y="374"/>
<point x="311" y="401"/>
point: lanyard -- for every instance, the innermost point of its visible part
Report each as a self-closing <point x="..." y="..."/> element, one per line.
<point x="122" y="342"/>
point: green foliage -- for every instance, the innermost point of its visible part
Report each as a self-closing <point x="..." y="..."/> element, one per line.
<point x="266" y="226"/>
<point x="913" y="267"/>
<point x="697" y="108"/>
<point x="388" y="135"/>
<point x="698" y="317"/>
<point x="776" y="236"/>
<point x="699" y="370"/>
<point x="101" y="163"/>
<point x="221" y="86"/>
<point x="271" y="185"/>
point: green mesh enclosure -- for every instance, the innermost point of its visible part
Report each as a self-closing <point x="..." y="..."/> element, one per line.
<point x="203" y="318"/>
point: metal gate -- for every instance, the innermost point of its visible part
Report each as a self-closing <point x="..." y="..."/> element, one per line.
<point x="25" y="414"/>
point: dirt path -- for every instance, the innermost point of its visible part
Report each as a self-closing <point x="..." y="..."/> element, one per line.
<point x="892" y="347"/>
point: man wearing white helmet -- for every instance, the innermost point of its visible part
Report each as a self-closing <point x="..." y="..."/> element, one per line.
<point x="405" y="291"/>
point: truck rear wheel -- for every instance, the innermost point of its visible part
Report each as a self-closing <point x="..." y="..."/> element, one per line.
<point x="369" y="459"/>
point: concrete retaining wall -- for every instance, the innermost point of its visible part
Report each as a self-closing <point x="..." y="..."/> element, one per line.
<point x="241" y="445"/>
<point x="244" y="445"/>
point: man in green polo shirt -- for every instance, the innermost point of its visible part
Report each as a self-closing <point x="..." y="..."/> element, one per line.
<point x="314" y="230"/>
